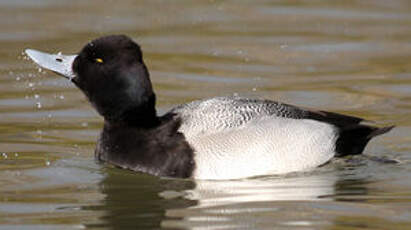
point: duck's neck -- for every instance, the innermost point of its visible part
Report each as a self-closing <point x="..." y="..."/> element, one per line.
<point x="143" y="116"/>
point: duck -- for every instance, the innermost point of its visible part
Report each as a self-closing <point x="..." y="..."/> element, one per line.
<point x="220" y="138"/>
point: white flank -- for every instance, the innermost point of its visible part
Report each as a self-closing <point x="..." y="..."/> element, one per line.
<point x="269" y="145"/>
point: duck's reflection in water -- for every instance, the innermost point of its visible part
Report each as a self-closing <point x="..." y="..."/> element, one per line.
<point x="310" y="187"/>
<point x="132" y="200"/>
<point x="243" y="203"/>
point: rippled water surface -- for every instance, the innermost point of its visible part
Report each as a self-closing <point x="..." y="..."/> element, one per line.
<point x="345" y="56"/>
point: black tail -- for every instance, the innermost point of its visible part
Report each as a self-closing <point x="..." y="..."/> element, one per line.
<point x="353" y="139"/>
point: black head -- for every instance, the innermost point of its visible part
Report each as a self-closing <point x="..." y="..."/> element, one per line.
<point x="111" y="73"/>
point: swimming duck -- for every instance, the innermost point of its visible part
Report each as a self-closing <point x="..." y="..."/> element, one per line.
<point x="217" y="138"/>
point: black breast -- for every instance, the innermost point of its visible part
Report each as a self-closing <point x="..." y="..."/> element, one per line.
<point x="161" y="150"/>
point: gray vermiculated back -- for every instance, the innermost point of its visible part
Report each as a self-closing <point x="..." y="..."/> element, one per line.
<point x="223" y="113"/>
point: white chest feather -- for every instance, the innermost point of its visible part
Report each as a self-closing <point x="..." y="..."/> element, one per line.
<point x="264" y="146"/>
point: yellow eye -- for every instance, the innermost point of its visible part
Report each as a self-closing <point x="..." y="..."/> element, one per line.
<point x="99" y="60"/>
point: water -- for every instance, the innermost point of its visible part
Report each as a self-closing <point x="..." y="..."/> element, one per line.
<point x="345" y="56"/>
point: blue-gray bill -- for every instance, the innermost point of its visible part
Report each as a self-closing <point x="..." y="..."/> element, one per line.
<point x="58" y="63"/>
